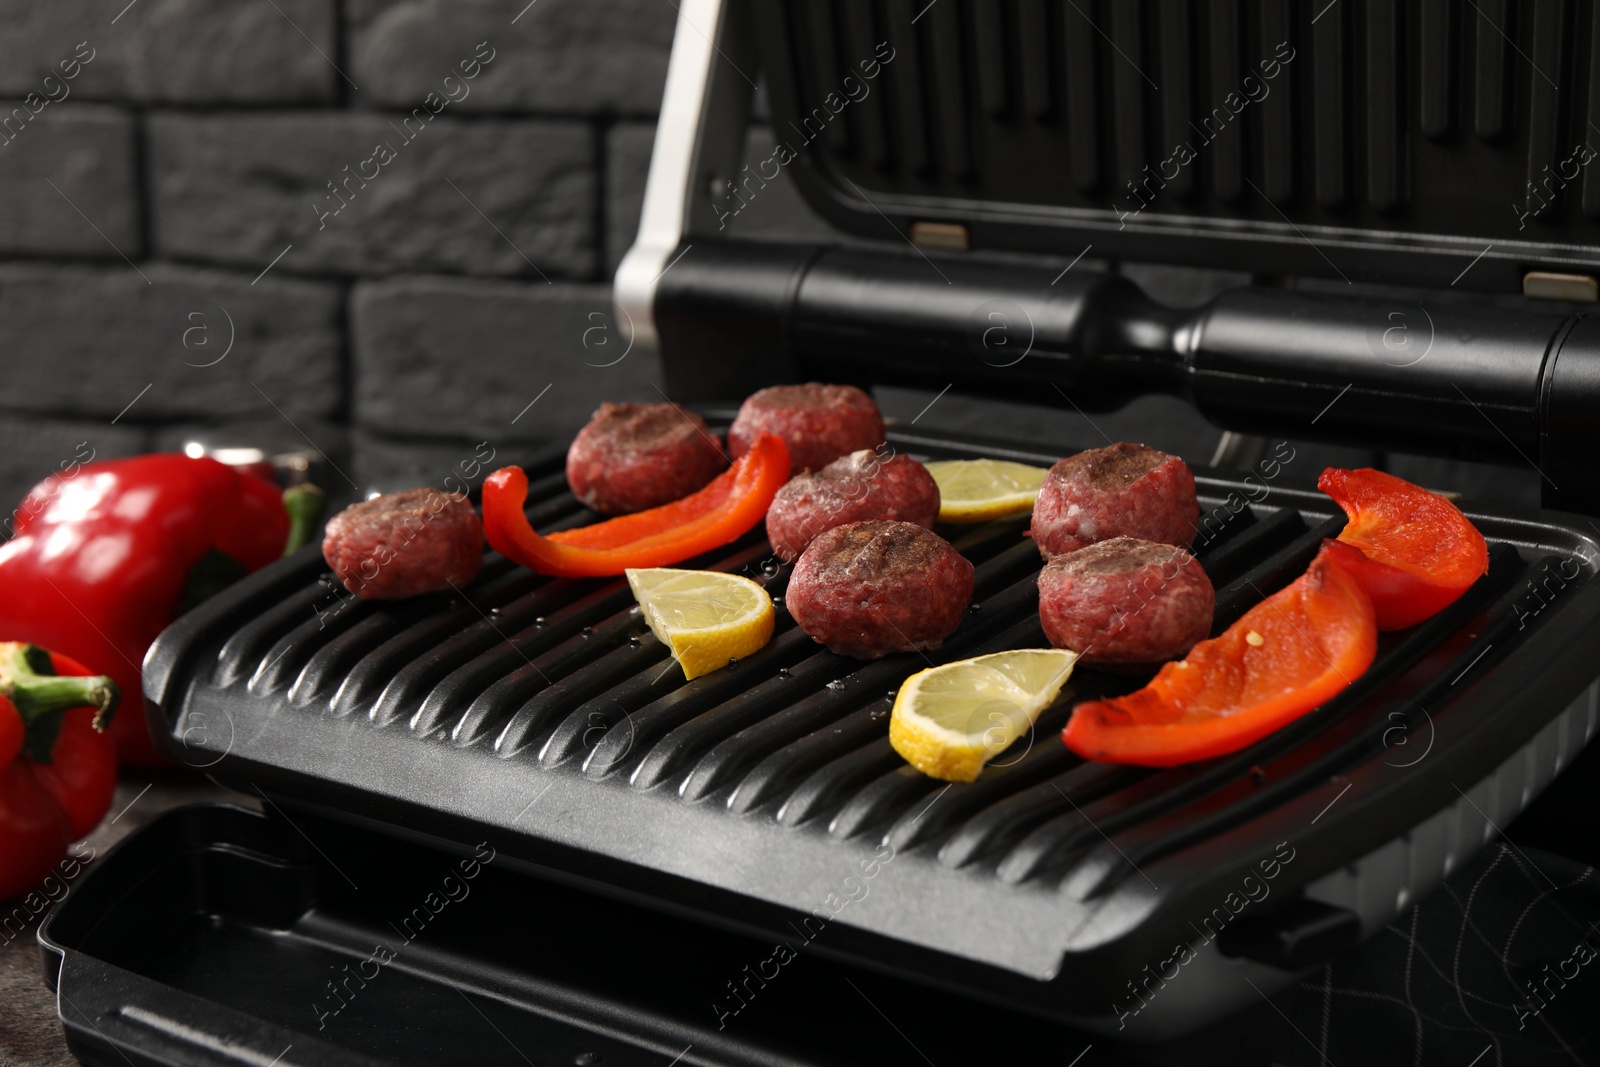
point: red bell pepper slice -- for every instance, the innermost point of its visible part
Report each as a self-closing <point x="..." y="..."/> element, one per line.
<point x="625" y="529"/>
<point x="1287" y="655"/>
<point x="58" y="769"/>
<point x="721" y="512"/>
<point x="1411" y="550"/>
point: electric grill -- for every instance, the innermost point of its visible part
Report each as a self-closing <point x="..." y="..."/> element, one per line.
<point x="681" y="830"/>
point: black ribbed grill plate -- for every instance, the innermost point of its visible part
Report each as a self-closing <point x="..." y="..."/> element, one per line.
<point x="541" y="714"/>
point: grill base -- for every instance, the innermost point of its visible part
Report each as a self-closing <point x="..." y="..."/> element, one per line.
<point x="541" y="716"/>
<point x="1376" y="888"/>
<point x="219" y="937"/>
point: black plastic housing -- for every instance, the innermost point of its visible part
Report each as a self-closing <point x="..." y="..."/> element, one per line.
<point x="1440" y="377"/>
<point x="217" y="937"/>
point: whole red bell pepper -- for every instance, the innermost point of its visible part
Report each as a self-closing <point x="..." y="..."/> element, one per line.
<point x="58" y="769"/>
<point x="723" y="511"/>
<point x="1411" y="549"/>
<point x="107" y="554"/>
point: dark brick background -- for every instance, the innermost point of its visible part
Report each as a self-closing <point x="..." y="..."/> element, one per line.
<point x="141" y="201"/>
<point x="174" y="199"/>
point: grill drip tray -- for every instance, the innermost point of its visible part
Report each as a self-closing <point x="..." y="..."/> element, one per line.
<point x="542" y="717"/>
<point x="219" y="936"/>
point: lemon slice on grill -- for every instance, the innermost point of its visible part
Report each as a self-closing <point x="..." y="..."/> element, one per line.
<point x="948" y="721"/>
<point x="705" y="617"/>
<point x="977" y="490"/>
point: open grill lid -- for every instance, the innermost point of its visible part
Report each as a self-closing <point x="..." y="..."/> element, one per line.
<point x="1015" y="127"/>
<point x="542" y="715"/>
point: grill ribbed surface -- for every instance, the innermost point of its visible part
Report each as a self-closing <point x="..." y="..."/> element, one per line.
<point x="540" y="714"/>
<point x="564" y="677"/>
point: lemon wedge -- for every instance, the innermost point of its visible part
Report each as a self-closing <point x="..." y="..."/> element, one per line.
<point x="978" y="490"/>
<point x="949" y="721"/>
<point x="705" y="617"/>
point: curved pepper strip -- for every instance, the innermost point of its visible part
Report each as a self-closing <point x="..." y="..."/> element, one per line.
<point x="58" y="769"/>
<point x="721" y="512"/>
<point x="1412" y="550"/>
<point x="625" y="529"/>
<point x="1311" y="640"/>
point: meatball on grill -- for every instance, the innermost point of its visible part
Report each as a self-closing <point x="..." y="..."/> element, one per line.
<point x="1120" y="490"/>
<point x="818" y="422"/>
<point x="861" y="486"/>
<point x="866" y="589"/>
<point x="1125" y="601"/>
<point x="631" y="457"/>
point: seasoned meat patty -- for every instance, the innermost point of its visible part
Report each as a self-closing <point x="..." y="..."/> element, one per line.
<point x="406" y="543"/>
<point x="863" y="485"/>
<point x="631" y="457"/>
<point x="1120" y="490"/>
<point x="1125" y="601"/>
<point x="818" y="422"/>
<point x="866" y="589"/>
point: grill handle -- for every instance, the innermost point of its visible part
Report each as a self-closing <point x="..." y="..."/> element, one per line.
<point x="1296" y="936"/>
<point x="1451" y="378"/>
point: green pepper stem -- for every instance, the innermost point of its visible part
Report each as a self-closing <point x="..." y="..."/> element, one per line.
<point x="39" y="695"/>
<point x="304" y="503"/>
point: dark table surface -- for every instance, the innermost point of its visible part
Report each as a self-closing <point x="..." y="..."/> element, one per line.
<point x="1562" y="821"/>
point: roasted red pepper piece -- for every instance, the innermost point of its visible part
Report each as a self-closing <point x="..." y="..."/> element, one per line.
<point x="58" y="769"/>
<point x="1287" y="655"/>
<point x="1411" y="550"/>
<point x="721" y="512"/>
<point x="625" y="529"/>
<point x="106" y="555"/>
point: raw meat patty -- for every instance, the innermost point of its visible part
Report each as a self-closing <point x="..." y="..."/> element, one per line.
<point x="637" y="456"/>
<point x="1120" y="490"/>
<point x="862" y="485"/>
<point x="866" y="589"/>
<point x="818" y="422"/>
<point x="1125" y="601"/>
<point x="406" y="543"/>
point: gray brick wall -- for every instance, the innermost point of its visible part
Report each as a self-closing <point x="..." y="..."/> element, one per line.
<point x="193" y="52"/>
<point x="468" y="357"/>
<point x="562" y="57"/>
<point x="485" y="196"/>
<point x="65" y="173"/>
<point x="382" y="226"/>
<point x="89" y="340"/>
